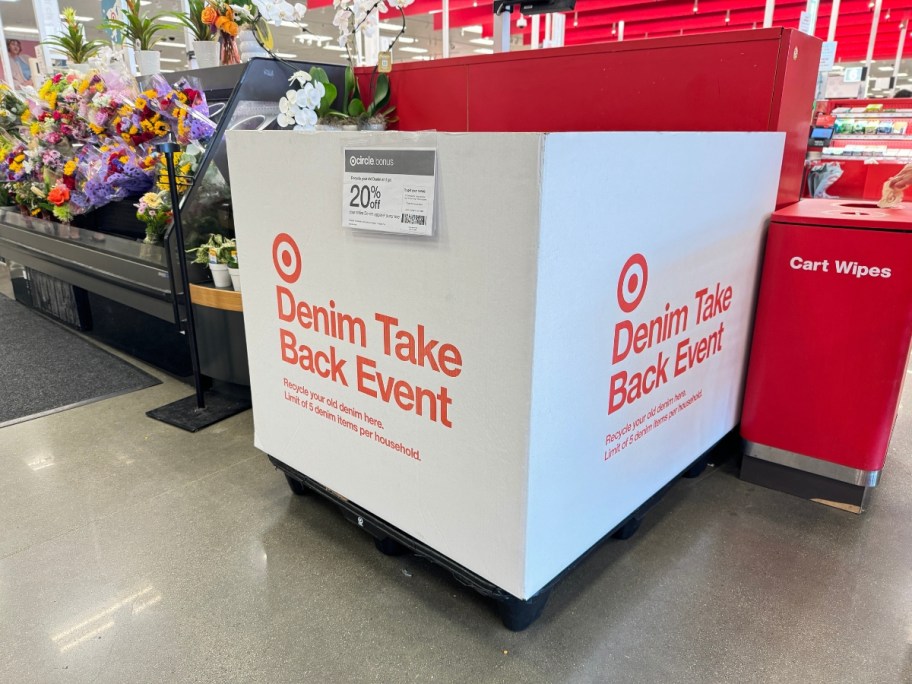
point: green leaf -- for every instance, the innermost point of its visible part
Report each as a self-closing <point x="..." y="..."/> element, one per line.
<point x="351" y="86"/>
<point x="381" y="94"/>
<point x="356" y="108"/>
<point x="319" y="74"/>
<point x="328" y="98"/>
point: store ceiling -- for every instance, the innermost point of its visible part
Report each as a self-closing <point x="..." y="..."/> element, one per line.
<point x="471" y="25"/>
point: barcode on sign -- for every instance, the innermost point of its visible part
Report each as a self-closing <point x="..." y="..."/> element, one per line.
<point x="416" y="219"/>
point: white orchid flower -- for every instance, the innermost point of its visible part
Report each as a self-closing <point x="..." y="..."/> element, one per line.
<point x="284" y="120"/>
<point x="306" y="118"/>
<point x="301" y="77"/>
<point x="320" y="88"/>
<point x="300" y="10"/>
<point x="309" y="97"/>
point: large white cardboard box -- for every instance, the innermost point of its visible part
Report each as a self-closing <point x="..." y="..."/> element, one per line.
<point x="571" y="337"/>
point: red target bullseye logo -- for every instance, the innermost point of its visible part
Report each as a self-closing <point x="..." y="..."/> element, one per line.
<point x="286" y="258"/>
<point x="632" y="283"/>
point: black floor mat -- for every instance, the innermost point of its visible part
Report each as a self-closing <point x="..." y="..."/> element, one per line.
<point x="45" y="368"/>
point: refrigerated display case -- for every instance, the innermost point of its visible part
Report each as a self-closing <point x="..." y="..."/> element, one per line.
<point x="102" y="252"/>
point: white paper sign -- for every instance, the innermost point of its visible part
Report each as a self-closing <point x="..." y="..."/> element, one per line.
<point x="389" y="190"/>
<point x="827" y="55"/>
<point x="804" y="23"/>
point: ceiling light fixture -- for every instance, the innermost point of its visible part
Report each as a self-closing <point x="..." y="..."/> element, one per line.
<point x="334" y="48"/>
<point x="728" y="16"/>
<point x="614" y="29"/>
<point x="285" y="55"/>
<point x="482" y="41"/>
<point x="520" y="23"/>
<point x="484" y="51"/>
<point x="21" y="29"/>
<point x="887" y="18"/>
<point x="170" y="59"/>
<point x="170" y="43"/>
<point x="696" y="6"/>
<point x="409" y="48"/>
<point x="476" y="28"/>
<point x="575" y="19"/>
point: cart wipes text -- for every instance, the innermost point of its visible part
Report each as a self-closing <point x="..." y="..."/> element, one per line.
<point x="676" y="351"/>
<point x="319" y="339"/>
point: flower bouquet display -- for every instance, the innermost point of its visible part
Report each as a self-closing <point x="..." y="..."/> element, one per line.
<point x="88" y="141"/>
<point x="12" y="107"/>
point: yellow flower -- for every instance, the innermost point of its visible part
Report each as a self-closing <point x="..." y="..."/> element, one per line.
<point x="150" y="93"/>
<point x="36" y="211"/>
<point x="26" y="115"/>
<point x="133" y="130"/>
<point x="19" y="158"/>
<point x="70" y="167"/>
<point x="152" y="200"/>
<point x="34" y="129"/>
<point x="96" y="129"/>
<point x="124" y="159"/>
<point x="140" y="103"/>
<point x="83" y="86"/>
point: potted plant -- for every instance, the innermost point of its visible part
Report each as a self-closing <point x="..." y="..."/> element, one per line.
<point x="216" y="253"/>
<point x="205" y="45"/>
<point x="370" y="116"/>
<point x="142" y="32"/>
<point x="234" y="271"/>
<point x="72" y="42"/>
<point x="310" y="104"/>
<point x="351" y="20"/>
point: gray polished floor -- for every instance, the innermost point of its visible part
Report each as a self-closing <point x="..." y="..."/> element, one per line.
<point x="133" y="552"/>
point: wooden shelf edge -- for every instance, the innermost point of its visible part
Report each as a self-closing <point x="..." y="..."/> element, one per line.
<point x="214" y="298"/>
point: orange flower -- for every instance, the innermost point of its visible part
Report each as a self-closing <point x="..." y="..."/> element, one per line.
<point x="229" y="13"/>
<point x="230" y="28"/>
<point x="220" y="23"/>
<point x="209" y="15"/>
<point x="58" y="195"/>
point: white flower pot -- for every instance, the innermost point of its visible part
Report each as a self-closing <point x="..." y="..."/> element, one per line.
<point x="235" y="274"/>
<point x="207" y="53"/>
<point x="148" y="61"/>
<point x="248" y="46"/>
<point x="220" y="275"/>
